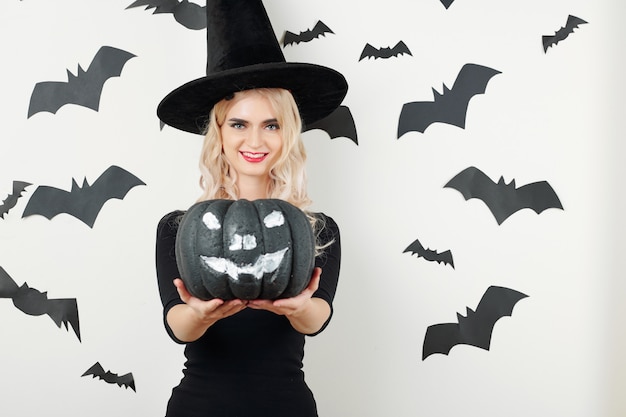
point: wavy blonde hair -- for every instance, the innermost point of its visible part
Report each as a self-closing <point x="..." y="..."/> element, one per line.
<point x="288" y="180"/>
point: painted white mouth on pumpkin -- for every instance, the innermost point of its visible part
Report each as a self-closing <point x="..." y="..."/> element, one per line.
<point x="264" y="264"/>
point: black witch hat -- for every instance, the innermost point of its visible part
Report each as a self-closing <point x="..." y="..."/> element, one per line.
<point x="243" y="53"/>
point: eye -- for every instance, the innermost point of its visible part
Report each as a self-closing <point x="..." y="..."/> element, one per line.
<point x="211" y="221"/>
<point x="237" y="125"/>
<point x="274" y="219"/>
<point x="272" y="126"/>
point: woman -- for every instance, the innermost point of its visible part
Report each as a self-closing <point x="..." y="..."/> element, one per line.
<point x="245" y="357"/>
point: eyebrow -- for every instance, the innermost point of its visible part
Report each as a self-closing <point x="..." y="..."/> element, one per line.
<point x="243" y="122"/>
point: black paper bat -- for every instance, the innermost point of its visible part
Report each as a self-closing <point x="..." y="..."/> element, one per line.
<point x="84" y="202"/>
<point x="339" y="123"/>
<point x="35" y="303"/>
<point x="450" y="106"/>
<point x="371" y="52"/>
<point x="416" y="248"/>
<point x="84" y="88"/>
<point x="501" y="198"/>
<point x="190" y="15"/>
<point x="126" y="381"/>
<point x="572" y="23"/>
<point x="11" y="200"/>
<point x="476" y="327"/>
<point x="447" y="3"/>
<point x="320" y="29"/>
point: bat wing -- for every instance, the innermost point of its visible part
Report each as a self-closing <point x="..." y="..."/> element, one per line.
<point x="447" y="3"/>
<point x="472" y="80"/>
<point x="416" y="116"/>
<point x="339" y="123"/>
<point x="473" y="183"/>
<point x="290" y="38"/>
<point x="64" y="311"/>
<point x="191" y="15"/>
<point x="320" y="29"/>
<point x="415" y="247"/>
<point x="430" y="255"/>
<point x="48" y="202"/>
<point x="503" y="199"/>
<point x="107" y="63"/>
<point x="538" y="196"/>
<point x="114" y="182"/>
<point x="83" y="89"/>
<point x="50" y="96"/>
<point x="572" y="23"/>
<point x="96" y="370"/>
<point x="126" y="380"/>
<point x="368" y="52"/>
<point x="36" y="303"/>
<point x="449" y="107"/>
<point x="84" y="202"/>
<point x="445" y="257"/>
<point x="400" y="48"/>
<point x="496" y="302"/>
<point x="8" y="287"/>
<point x="11" y="200"/>
<point x="499" y="197"/>
<point x="477" y="327"/>
<point x="159" y="6"/>
<point x="440" y="338"/>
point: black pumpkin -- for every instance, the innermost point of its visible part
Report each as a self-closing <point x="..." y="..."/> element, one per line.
<point x="261" y="249"/>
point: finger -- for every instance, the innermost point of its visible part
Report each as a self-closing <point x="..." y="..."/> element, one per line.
<point x="182" y="290"/>
<point x="232" y="307"/>
<point x="260" y="304"/>
<point x="235" y="304"/>
<point x="316" y="276"/>
<point x="315" y="279"/>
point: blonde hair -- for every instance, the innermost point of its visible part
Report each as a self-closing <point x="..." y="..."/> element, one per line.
<point x="288" y="179"/>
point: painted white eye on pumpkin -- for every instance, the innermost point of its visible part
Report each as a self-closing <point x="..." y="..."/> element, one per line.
<point x="211" y="221"/>
<point x="274" y="219"/>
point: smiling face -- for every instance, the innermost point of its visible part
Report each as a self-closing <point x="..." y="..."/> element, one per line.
<point x="251" y="137"/>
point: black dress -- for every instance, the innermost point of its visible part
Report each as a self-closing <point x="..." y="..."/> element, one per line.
<point x="249" y="364"/>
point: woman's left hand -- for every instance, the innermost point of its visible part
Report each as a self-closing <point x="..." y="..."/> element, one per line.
<point x="290" y="306"/>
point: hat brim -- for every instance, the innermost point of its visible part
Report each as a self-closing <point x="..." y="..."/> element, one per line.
<point x="317" y="90"/>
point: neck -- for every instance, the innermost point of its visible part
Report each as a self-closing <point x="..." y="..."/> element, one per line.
<point x="252" y="188"/>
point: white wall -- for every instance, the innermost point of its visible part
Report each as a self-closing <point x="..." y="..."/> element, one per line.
<point x="551" y="116"/>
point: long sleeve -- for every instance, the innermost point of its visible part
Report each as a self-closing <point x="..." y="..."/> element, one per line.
<point x="166" y="267"/>
<point x="330" y="261"/>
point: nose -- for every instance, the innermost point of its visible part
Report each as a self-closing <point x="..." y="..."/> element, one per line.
<point x="254" y="139"/>
<point x="245" y="242"/>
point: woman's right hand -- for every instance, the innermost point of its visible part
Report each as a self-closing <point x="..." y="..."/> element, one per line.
<point x="209" y="310"/>
<point x="189" y="321"/>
